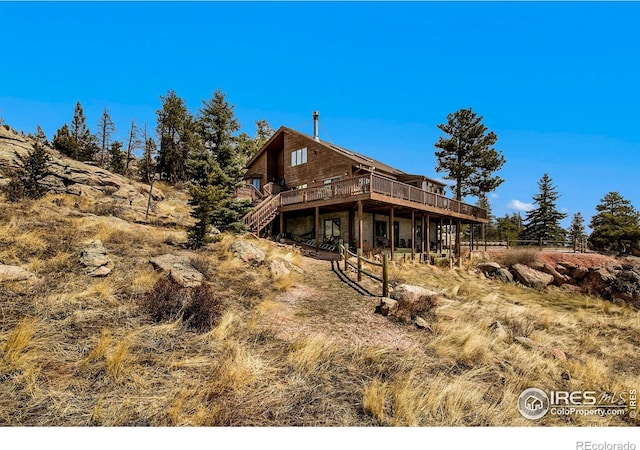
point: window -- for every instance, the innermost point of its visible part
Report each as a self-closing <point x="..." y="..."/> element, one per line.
<point x="330" y="180"/>
<point x="256" y="183"/>
<point x="298" y="157"/>
<point x="331" y="230"/>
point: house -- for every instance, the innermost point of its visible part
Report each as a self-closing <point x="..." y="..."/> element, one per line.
<point x="321" y="193"/>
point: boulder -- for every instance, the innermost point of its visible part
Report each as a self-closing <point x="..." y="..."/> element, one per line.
<point x="421" y="323"/>
<point x="414" y="300"/>
<point x="179" y="268"/>
<point x="488" y="268"/>
<point x="388" y="306"/>
<point x="279" y="268"/>
<point x="598" y="282"/>
<point x="531" y="277"/>
<point x="557" y="277"/>
<point x="578" y="273"/>
<point x="95" y="260"/>
<point x="247" y="252"/>
<point x="626" y="287"/>
<point x="15" y="273"/>
<point x="503" y="275"/>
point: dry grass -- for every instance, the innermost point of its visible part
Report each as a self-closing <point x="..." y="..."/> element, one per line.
<point x="78" y="351"/>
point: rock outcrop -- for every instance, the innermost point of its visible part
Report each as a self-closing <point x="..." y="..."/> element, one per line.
<point x="15" y="273"/>
<point x="410" y="302"/>
<point x="531" y="277"/>
<point x="247" y="252"/>
<point x="179" y="269"/>
<point x="95" y="260"/>
<point x="68" y="176"/>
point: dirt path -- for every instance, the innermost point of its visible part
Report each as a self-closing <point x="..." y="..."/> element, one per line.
<point x="324" y="303"/>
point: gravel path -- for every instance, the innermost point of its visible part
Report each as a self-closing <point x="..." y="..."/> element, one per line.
<point x="322" y="303"/>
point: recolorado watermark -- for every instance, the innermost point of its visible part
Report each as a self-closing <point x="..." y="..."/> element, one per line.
<point x="534" y="403"/>
<point x="588" y="445"/>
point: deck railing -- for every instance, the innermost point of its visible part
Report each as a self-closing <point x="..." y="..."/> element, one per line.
<point x="380" y="185"/>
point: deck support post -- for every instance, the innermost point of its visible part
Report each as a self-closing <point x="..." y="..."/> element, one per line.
<point x="281" y="225"/>
<point x="428" y="239"/>
<point x="484" y="235"/>
<point x="413" y="235"/>
<point x="471" y="242"/>
<point x="317" y="229"/>
<point x="360" y="228"/>
<point x="458" y="233"/>
<point x="391" y="232"/>
<point x="440" y="236"/>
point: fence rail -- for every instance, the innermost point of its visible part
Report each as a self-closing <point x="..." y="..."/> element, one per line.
<point x="384" y="279"/>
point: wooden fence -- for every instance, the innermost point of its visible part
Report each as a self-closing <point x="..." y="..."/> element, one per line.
<point x="384" y="279"/>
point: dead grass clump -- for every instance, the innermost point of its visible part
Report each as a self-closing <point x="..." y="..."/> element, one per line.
<point x="308" y="352"/>
<point x="517" y="256"/>
<point x="373" y="400"/>
<point x="112" y="208"/>
<point x="18" y="341"/>
<point x="204" y="264"/>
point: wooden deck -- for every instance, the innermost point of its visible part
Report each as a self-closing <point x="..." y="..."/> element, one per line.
<point x="378" y="188"/>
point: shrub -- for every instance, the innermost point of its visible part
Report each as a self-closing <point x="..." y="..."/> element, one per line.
<point x="511" y="257"/>
<point x="26" y="180"/>
<point x="204" y="310"/>
<point x="166" y="300"/>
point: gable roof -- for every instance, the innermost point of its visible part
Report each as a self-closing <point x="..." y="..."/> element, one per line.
<point x="358" y="159"/>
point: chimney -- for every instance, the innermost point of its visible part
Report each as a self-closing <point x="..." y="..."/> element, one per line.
<point x="316" y="114"/>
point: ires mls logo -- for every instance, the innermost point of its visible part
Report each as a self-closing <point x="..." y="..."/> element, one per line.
<point x="534" y="403"/>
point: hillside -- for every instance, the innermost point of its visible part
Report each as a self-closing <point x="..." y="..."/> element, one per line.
<point x="288" y="347"/>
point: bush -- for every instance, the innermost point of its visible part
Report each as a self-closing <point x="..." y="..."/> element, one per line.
<point x="166" y="301"/>
<point x="204" y="310"/>
<point x="26" y="180"/>
<point x="511" y="257"/>
<point x="200" y="308"/>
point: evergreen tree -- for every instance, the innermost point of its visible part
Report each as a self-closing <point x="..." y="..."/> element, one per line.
<point x="249" y="146"/>
<point x="41" y="137"/>
<point x="543" y="222"/>
<point x="27" y="178"/>
<point x="106" y="128"/>
<point x="116" y="158"/>
<point x="64" y="142"/>
<point x="134" y="143"/>
<point x="216" y="167"/>
<point x="85" y="146"/>
<point x="509" y="227"/>
<point x="616" y="226"/>
<point x="147" y="166"/>
<point x="467" y="155"/>
<point x="576" y="229"/>
<point x="173" y="151"/>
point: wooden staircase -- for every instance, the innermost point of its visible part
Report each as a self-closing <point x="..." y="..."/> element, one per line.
<point x="262" y="215"/>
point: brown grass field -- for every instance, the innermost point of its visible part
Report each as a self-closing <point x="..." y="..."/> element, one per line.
<point x="303" y="349"/>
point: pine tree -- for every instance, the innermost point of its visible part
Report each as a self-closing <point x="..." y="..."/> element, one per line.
<point x="41" y="137"/>
<point x="133" y="144"/>
<point x="27" y="178"/>
<point x="85" y="145"/>
<point x="116" y="158"/>
<point x="576" y="229"/>
<point x="509" y="227"/>
<point x="147" y="166"/>
<point x="467" y="155"/>
<point x="216" y="167"/>
<point x="543" y="222"/>
<point x="106" y="128"/>
<point x="173" y="153"/>
<point x="64" y="142"/>
<point x="616" y="226"/>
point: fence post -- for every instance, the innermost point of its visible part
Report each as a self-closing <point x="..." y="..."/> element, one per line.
<point x="540" y="243"/>
<point x="385" y="275"/>
<point x="359" y="264"/>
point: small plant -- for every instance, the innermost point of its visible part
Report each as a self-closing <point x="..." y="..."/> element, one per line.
<point x="204" y="310"/>
<point x="165" y="302"/>
<point x="512" y="257"/>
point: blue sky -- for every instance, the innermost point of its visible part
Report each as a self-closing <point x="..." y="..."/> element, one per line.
<point x="557" y="82"/>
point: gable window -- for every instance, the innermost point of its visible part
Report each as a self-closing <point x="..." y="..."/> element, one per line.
<point x="298" y="157"/>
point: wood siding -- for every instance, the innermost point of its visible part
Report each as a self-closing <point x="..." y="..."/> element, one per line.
<point x="321" y="164"/>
